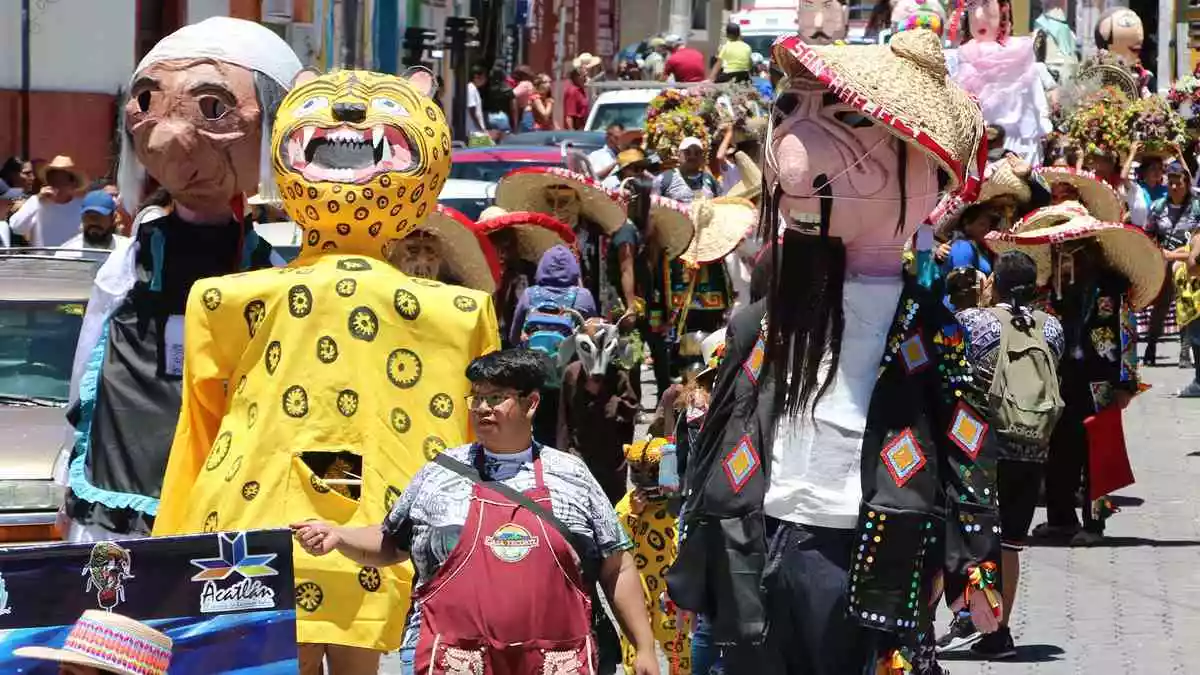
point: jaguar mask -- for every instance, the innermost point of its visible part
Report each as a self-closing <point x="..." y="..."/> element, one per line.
<point x="360" y="158"/>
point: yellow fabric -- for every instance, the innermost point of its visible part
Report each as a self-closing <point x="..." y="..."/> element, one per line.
<point x="735" y="57"/>
<point x="334" y="353"/>
<point x="1187" y="295"/>
<point x="654" y="551"/>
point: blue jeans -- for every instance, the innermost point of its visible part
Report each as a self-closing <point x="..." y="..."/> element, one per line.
<point x="706" y="656"/>
<point x="499" y="122"/>
<point x="407" y="656"/>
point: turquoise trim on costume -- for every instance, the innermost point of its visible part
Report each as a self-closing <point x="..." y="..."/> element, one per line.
<point x="158" y="244"/>
<point x="89" y="384"/>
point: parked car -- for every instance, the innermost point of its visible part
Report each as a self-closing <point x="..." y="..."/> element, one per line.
<point x="491" y="163"/>
<point x="626" y="107"/>
<point x="284" y="236"/>
<point x="583" y="141"/>
<point x="42" y="303"/>
<point x="469" y="197"/>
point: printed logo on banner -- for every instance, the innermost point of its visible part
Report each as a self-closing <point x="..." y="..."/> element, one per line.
<point x="4" y="608"/>
<point x="107" y="568"/>
<point x="234" y="557"/>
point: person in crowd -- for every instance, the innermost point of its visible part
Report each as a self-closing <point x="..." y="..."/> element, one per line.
<point x="655" y="58"/>
<point x="575" y="100"/>
<point x="1173" y="219"/>
<point x="1151" y="178"/>
<point x="689" y="180"/>
<point x="12" y="173"/>
<point x="631" y="163"/>
<point x="523" y="89"/>
<point x="498" y="100"/>
<point x="33" y="172"/>
<point x="646" y="516"/>
<point x="1020" y="465"/>
<point x="8" y="197"/>
<point x="557" y="277"/>
<point x="475" y="123"/>
<point x="53" y="216"/>
<point x="604" y="159"/>
<point x="99" y="228"/>
<point x="734" y="61"/>
<point x="629" y="70"/>
<point x="1187" y="310"/>
<point x="1111" y="171"/>
<point x="448" y="510"/>
<point x="685" y="64"/>
<point x="761" y="79"/>
<point x="968" y="254"/>
<point x="541" y="104"/>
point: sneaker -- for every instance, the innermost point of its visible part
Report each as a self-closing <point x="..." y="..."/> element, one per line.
<point x="1054" y="532"/>
<point x="995" y="646"/>
<point x="1190" y="391"/>
<point x="1085" y="538"/>
<point x="961" y="634"/>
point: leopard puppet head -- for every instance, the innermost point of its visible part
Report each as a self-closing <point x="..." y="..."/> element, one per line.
<point x="360" y="158"/>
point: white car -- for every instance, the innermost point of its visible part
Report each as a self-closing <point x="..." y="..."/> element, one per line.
<point x="470" y="197"/>
<point x="626" y="107"/>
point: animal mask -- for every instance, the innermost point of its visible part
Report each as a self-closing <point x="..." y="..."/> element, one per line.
<point x="597" y="343"/>
<point x="360" y="158"/>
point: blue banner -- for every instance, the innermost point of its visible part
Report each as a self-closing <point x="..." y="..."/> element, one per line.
<point x="226" y="600"/>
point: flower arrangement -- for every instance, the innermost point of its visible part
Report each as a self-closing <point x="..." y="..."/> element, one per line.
<point x="673" y="116"/>
<point x="1155" y="125"/>
<point x="1099" y="124"/>
<point x="1184" y="97"/>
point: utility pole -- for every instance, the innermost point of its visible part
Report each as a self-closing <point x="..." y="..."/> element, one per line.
<point x="26" y="32"/>
<point x="349" y="33"/>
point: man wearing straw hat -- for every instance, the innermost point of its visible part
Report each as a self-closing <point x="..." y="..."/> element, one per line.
<point x="837" y="455"/>
<point x="103" y="642"/>
<point x="209" y="147"/>
<point x="52" y="217"/>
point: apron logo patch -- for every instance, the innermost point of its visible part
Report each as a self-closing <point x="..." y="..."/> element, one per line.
<point x="511" y="543"/>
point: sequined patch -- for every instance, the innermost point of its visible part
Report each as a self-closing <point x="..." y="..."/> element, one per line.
<point x="903" y="457"/>
<point x="740" y="464"/>
<point x="913" y="354"/>
<point x="967" y="430"/>
<point x="754" y="363"/>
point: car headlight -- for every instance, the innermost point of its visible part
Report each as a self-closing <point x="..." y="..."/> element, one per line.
<point x="30" y="495"/>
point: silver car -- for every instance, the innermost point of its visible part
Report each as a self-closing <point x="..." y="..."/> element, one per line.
<point x="42" y="301"/>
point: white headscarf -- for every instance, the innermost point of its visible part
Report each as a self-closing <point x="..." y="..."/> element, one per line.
<point x="237" y="41"/>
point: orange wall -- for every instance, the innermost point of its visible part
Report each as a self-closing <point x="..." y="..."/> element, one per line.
<point x="62" y="123"/>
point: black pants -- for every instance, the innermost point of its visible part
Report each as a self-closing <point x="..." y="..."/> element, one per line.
<point x="740" y="76"/>
<point x="1066" y="471"/>
<point x="656" y="345"/>
<point x="545" y="420"/>
<point x="1158" y="316"/>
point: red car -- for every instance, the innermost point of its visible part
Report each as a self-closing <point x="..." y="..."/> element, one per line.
<point x="491" y="163"/>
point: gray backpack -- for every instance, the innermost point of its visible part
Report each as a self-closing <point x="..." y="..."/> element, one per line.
<point x="1024" y="396"/>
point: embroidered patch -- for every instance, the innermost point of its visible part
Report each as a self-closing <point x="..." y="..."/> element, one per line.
<point x="903" y="457"/>
<point x="754" y="363"/>
<point x="913" y="354"/>
<point x="967" y="430"/>
<point x="462" y="661"/>
<point x="511" y="543"/>
<point x="740" y="464"/>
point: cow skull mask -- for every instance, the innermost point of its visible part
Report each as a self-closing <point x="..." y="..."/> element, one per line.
<point x="597" y="344"/>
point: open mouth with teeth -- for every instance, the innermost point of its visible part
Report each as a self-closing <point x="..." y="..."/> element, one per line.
<point x="344" y="154"/>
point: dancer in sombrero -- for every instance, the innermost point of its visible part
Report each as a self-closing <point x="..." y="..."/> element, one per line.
<point x="448" y="247"/>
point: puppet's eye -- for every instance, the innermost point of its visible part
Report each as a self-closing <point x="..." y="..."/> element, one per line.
<point x="212" y="107"/>
<point x="388" y="105"/>
<point x="853" y="119"/>
<point x="313" y="105"/>
<point x="143" y="100"/>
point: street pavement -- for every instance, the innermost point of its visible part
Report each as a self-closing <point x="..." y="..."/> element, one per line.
<point x="1130" y="606"/>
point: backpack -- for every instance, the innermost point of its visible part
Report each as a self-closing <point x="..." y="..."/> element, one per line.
<point x="547" y="324"/>
<point x="1024" y="395"/>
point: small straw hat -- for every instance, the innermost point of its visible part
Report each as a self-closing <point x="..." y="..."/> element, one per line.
<point x="111" y="643"/>
<point x="749" y="185"/>
<point x="904" y="86"/>
<point x="1002" y="182"/>
<point x="1098" y="196"/>
<point x="721" y="224"/>
<point x="536" y="232"/>
<point x="67" y="165"/>
<point x="1126" y="249"/>
<point x="525" y="190"/>
<point x="672" y="224"/>
<point x="465" y="248"/>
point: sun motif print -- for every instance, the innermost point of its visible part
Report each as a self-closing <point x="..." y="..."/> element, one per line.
<point x="345" y="375"/>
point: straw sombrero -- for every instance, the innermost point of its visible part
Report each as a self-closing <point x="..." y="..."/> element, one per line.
<point x="1098" y="196"/>
<point x="65" y="164"/>
<point x="903" y="86"/>
<point x="1049" y="216"/>
<point x="672" y="224"/>
<point x="524" y="190"/>
<point x="536" y="232"/>
<point x="1002" y="182"/>
<point x="465" y="248"/>
<point x="1127" y="249"/>
<point x="721" y="224"/>
<point x="111" y="643"/>
<point x="749" y="185"/>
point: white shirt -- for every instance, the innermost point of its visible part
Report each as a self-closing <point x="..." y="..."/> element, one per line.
<point x="474" y="109"/>
<point x="77" y="242"/>
<point x="47" y="223"/>
<point x="602" y="159"/>
<point x="815" y="480"/>
<point x="730" y="176"/>
<point x="5" y="235"/>
<point x="613" y="182"/>
<point x="1136" y="202"/>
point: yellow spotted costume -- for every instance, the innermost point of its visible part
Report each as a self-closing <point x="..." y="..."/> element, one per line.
<point x="654" y="550"/>
<point x="337" y="353"/>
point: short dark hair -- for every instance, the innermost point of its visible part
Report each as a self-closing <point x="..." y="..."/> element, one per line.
<point x="975" y="211"/>
<point x="615" y="125"/>
<point x="519" y="369"/>
<point x="732" y="30"/>
<point x="478" y="70"/>
<point x="1015" y="278"/>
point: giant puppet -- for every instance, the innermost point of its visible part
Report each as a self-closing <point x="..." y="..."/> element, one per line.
<point x="840" y="452"/>
<point x="197" y="121"/>
<point x="344" y="374"/>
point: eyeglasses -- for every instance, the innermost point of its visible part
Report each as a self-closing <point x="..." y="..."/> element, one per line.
<point x="490" y="400"/>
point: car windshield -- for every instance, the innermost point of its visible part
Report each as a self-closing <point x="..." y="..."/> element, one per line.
<point x="37" y="349"/>
<point x="489" y="172"/>
<point x="470" y="207"/>
<point x="760" y="43"/>
<point x="628" y="115"/>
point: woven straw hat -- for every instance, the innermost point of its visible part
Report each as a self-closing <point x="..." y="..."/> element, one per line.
<point x="111" y="643"/>
<point x="66" y="165"/>
<point x="1003" y="182"/>
<point x="721" y="224"/>
<point x="1126" y="249"/>
<point x="672" y="225"/>
<point x="1098" y="196"/>
<point x="536" y="232"/>
<point x="525" y="190"/>
<point x="749" y="186"/>
<point x="903" y="86"/>
<point x="1049" y="216"/>
<point x="465" y="248"/>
